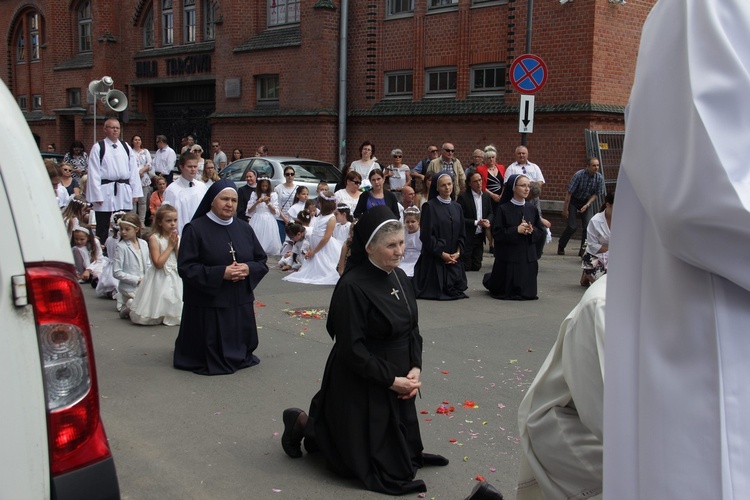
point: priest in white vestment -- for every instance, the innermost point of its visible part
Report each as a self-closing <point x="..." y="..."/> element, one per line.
<point x="560" y="418"/>
<point x="677" y="399"/>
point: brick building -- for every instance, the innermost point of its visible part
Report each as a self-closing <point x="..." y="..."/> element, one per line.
<point x="250" y="72"/>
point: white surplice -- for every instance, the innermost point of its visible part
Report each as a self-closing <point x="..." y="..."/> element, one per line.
<point x="560" y="417"/>
<point x="677" y="398"/>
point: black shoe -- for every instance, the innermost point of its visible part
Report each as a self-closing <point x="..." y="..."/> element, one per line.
<point x="484" y="491"/>
<point x="434" y="459"/>
<point x="581" y="252"/>
<point x="291" y="440"/>
<point x="560" y="251"/>
<point x="94" y="282"/>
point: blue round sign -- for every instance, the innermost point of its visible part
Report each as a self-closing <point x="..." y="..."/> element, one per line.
<point x="528" y="74"/>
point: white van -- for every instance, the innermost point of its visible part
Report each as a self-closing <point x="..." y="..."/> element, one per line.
<point x="52" y="441"/>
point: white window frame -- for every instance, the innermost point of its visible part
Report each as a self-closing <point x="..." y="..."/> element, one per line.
<point x="267" y="93"/>
<point x="21" y="47"/>
<point x="399" y="8"/>
<point x="395" y="79"/>
<point x="441" y="4"/>
<point x="167" y="24"/>
<point x="495" y="90"/>
<point x="283" y="12"/>
<point x="189" y="22"/>
<point x="34" y="36"/>
<point x="85" y="25"/>
<point x="148" y="30"/>
<point x="36" y="102"/>
<point x="443" y="88"/>
<point x="209" y="20"/>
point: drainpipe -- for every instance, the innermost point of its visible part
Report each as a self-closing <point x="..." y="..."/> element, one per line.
<point x="343" y="46"/>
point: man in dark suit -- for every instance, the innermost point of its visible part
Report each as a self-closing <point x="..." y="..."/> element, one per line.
<point x="477" y="207"/>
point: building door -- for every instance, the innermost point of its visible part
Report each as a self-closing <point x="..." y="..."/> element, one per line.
<point x="183" y="110"/>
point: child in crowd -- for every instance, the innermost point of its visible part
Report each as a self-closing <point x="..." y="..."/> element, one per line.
<point x="344" y="221"/>
<point x="76" y="213"/>
<point x="295" y="247"/>
<point x="159" y="298"/>
<point x="54" y="176"/>
<point x="262" y="209"/>
<point x="131" y="262"/>
<point x="87" y="255"/>
<point x="300" y="198"/>
<point x="157" y="197"/>
<point x="107" y="286"/>
<point x="322" y="187"/>
<point x="346" y="249"/>
<point x="412" y="243"/>
<point x="321" y="260"/>
<point x="304" y="218"/>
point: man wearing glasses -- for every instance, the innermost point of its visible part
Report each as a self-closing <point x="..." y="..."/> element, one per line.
<point x="417" y="173"/>
<point x="447" y="163"/>
<point x="220" y="158"/>
<point x="113" y="180"/>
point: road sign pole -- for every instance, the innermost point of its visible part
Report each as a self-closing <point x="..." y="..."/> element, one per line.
<point x="529" y="12"/>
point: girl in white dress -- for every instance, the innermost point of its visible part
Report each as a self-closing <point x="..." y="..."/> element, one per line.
<point x="107" y="285"/>
<point x="131" y="262"/>
<point x="319" y="265"/>
<point x="87" y="255"/>
<point x="159" y="298"/>
<point x="262" y="209"/>
<point x="344" y="221"/>
<point x="412" y="242"/>
<point x="300" y="198"/>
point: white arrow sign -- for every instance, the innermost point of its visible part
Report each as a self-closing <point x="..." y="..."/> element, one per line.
<point x="526" y="115"/>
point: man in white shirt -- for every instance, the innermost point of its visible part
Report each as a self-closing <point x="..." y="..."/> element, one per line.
<point x="185" y="193"/>
<point x="220" y="158"/>
<point x="164" y="158"/>
<point x="523" y="166"/>
<point x="113" y="179"/>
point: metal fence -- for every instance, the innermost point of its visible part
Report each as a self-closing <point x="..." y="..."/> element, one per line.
<point x="607" y="146"/>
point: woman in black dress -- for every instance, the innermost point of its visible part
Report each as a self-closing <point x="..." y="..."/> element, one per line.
<point x="364" y="420"/>
<point x="439" y="273"/>
<point x="377" y="196"/>
<point x="517" y="229"/>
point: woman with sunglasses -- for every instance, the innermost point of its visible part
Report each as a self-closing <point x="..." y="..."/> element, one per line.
<point x="350" y="193"/>
<point x="285" y="193"/>
<point x="398" y="174"/>
<point x="67" y="180"/>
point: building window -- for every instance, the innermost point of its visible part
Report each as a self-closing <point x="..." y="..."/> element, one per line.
<point x="488" y="79"/>
<point x="190" y="20"/>
<point x="23" y="103"/>
<point x="148" y="30"/>
<point x="441" y="81"/>
<point x="167" y="22"/>
<point x="399" y="84"/>
<point x="480" y="2"/>
<point x="74" y="97"/>
<point x="84" y="27"/>
<point x="209" y="20"/>
<point x="268" y="88"/>
<point x="34" y="36"/>
<point x="434" y="4"/>
<point x="396" y="7"/>
<point x="20" y="48"/>
<point x="36" y="102"/>
<point x="282" y="12"/>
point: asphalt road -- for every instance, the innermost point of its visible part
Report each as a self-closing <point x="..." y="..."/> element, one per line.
<point x="177" y="435"/>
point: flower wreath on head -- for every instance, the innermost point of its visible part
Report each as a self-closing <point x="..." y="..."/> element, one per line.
<point x="341" y="207"/>
<point x="412" y="211"/>
<point x="322" y="195"/>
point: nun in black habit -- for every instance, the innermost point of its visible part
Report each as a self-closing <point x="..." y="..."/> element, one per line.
<point x="439" y="273"/>
<point x="364" y="420"/>
<point x="220" y="262"/>
<point x="517" y="230"/>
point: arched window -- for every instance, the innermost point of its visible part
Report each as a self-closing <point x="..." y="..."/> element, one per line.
<point x="189" y="17"/>
<point x="33" y="23"/>
<point x="84" y="27"/>
<point x="21" y="47"/>
<point x="148" y="30"/>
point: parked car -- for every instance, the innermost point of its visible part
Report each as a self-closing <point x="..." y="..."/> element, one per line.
<point x="307" y="172"/>
<point x="53" y="439"/>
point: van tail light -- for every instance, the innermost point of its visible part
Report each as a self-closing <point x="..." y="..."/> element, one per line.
<point x="76" y="433"/>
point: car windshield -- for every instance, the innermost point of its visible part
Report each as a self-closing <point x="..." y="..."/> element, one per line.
<point x="312" y="171"/>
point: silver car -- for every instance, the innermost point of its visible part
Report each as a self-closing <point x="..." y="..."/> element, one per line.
<point x="307" y="172"/>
